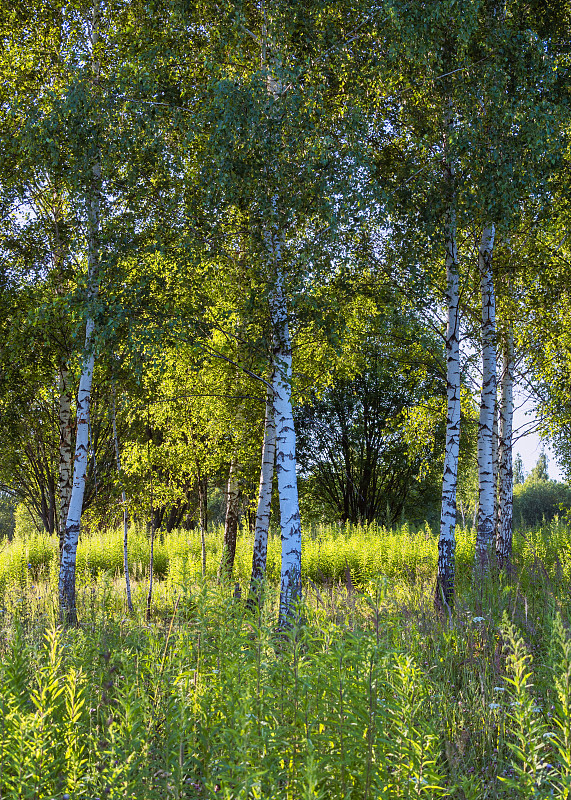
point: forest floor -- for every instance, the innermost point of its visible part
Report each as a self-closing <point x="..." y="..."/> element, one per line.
<point x="372" y="694"/>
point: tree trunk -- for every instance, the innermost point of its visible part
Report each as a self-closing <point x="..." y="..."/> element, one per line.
<point x="447" y="540"/>
<point x="226" y="566"/>
<point x="290" y="582"/>
<point x="290" y="523"/>
<point x="264" y="505"/>
<point x="69" y="552"/>
<point x="125" y="512"/>
<point x="203" y="511"/>
<point x="495" y="462"/>
<point x="487" y="406"/>
<point x="65" y="466"/>
<point x="151" y="569"/>
<point x="505" y="525"/>
<point x="153" y="522"/>
<point x="67" y="604"/>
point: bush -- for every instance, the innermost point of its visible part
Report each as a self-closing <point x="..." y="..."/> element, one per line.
<point x="538" y="500"/>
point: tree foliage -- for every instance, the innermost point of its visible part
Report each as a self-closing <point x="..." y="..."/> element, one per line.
<point x="221" y="135"/>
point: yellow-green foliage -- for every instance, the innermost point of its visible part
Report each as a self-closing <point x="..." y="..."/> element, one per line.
<point x="369" y="551"/>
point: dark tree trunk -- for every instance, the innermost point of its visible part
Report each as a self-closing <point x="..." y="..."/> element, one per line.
<point x="231" y="525"/>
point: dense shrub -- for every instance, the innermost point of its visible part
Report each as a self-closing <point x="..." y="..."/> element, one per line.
<point x="537" y="500"/>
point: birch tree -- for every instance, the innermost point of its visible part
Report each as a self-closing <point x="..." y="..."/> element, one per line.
<point x="431" y="54"/>
<point x="64" y="375"/>
<point x="273" y="181"/>
<point x="290" y="580"/>
<point x="68" y="610"/>
<point x="505" y="515"/>
<point x="65" y="448"/>
<point x="447" y="538"/>
<point x="34" y="77"/>
<point x="486" y="483"/>
<point x="497" y="143"/>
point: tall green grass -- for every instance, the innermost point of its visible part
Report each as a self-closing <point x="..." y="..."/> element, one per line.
<point x="372" y="696"/>
<point x="207" y="701"/>
<point x="328" y="551"/>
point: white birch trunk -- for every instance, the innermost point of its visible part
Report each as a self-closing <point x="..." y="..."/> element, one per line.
<point x="505" y="522"/>
<point x="125" y="512"/>
<point x="65" y="459"/>
<point x="65" y="392"/>
<point x="226" y="566"/>
<point x="447" y="540"/>
<point x="67" y="603"/>
<point x="69" y="552"/>
<point x="290" y="522"/>
<point x="290" y="582"/>
<point x="495" y="463"/>
<point x="485" y="530"/>
<point x="264" y="505"/>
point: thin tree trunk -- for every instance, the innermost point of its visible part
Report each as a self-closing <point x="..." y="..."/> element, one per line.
<point x="495" y="463"/>
<point x="226" y="566"/>
<point x="65" y="468"/>
<point x="67" y="601"/>
<point x="151" y="569"/>
<point x="69" y="552"/>
<point x="447" y="540"/>
<point x="125" y="512"/>
<point x="505" y="526"/>
<point x="203" y="512"/>
<point x="485" y="530"/>
<point x="264" y="505"/>
<point x="65" y="465"/>
<point x="153" y="525"/>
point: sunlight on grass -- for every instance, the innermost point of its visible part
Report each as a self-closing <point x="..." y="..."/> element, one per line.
<point x="373" y="695"/>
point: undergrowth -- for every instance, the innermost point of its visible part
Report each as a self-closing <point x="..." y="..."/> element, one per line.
<point x="328" y="551"/>
<point x="371" y="696"/>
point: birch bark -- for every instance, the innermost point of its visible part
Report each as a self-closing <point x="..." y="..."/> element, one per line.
<point x="447" y="539"/>
<point x="64" y="411"/>
<point x="264" y="505"/>
<point x="65" y="465"/>
<point x="226" y="566"/>
<point x="125" y="512"/>
<point x="67" y="602"/>
<point x="290" y="523"/>
<point x="495" y="461"/>
<point x="68" y="609"/>
<point x="505" y="523"/>
<point x="290" y="580"/>
<point x="488" y="403"/>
